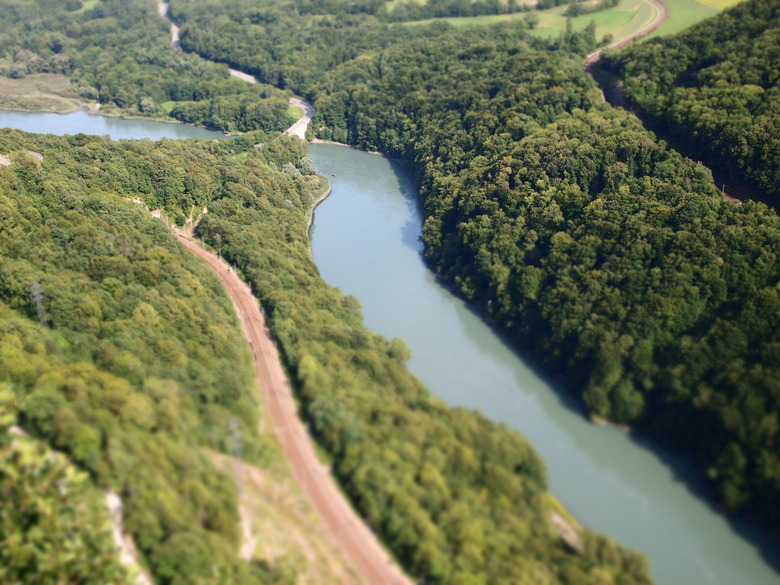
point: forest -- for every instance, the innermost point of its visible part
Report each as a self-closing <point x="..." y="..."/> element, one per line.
<point x="607" y="255"/>
<point x="597" y="248"/>
<point x="713" y="89"/>
<point x="118" y="53"/>
<point x="130" y="362"/>
<point x="121" y="350"/>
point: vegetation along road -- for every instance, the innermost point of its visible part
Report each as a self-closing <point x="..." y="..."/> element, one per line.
<point x="358" y="542"/>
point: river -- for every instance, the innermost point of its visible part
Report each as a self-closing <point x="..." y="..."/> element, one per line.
<point x="365" y="240"/>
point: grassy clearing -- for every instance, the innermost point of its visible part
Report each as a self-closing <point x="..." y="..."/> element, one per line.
<point x="623" y="20"/>
<point x="289" y="535"/>
<point x="685" y="13"/>
<point x="40" y="92"/>
<point x="391" y="4"/>
<point x="295" y="112"/>
<point x="87" y="5"/>
<point x="167" y="107"/>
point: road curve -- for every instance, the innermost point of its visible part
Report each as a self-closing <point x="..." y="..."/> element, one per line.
<point x="346" y="528"/>
<point x="661" y="16"/>
<point x="299" y="128"/>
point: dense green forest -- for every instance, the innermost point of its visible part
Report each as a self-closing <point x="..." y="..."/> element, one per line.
<point x="122" y="350"/>
<point x="611" y="257"/>
<point x="713" y="89"/>
<point x="128" y="359"/>
<point x="294" y="51"/>
<point x="119" y="54"/>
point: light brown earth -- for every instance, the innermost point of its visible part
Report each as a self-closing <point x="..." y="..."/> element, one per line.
<point x="345" y="528"/>
<point x="282" y="529"/>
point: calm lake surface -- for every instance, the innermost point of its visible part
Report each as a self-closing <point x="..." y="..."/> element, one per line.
<point x="116" y="128"/>
<point x="365" y="241"/>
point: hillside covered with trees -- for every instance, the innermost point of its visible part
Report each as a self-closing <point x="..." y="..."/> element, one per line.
<point x="611" y="257"/>
<point x="118" y="53"/>
<point x="121" y="349"/>
<point x="130" y="362"/>
<point x="714" y="89"/>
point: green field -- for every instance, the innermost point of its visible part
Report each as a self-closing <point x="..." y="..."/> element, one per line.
<point x="624" y="20"/>
<point x="87" y="5"/>
<point x="391" y="4"/>
<point x="688" y="12"/>
<point x="40" y="91"/>
<point x="295" y="112"/>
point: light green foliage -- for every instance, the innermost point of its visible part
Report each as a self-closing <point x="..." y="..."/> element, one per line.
<point x="142" y="362"/>
<point x="52" y="528"/>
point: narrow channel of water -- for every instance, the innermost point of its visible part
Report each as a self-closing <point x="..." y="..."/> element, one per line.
<point x="116" y="128"/>
<point x="365" y="241"/>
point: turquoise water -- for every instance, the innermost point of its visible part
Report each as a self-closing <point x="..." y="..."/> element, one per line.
<point x="365" y="241"/>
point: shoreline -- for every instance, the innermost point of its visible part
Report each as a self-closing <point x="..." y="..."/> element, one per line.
<point x="320" y="198"/>
<point x="353" y="147"/>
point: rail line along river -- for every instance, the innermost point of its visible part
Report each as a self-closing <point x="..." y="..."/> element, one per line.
<point x="365" y="240"/>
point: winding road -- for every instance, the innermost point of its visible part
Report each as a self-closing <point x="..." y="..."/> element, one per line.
<point x="298" y="129"/>
<point x="661" y="15"/>
<point x="346" y="528"/>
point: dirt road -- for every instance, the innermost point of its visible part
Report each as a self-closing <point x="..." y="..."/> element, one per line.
<point x="162" y="9"/>
<point x="661" y="16"/>
<point x="346" y="528"/>
<point x="299" y="128"/>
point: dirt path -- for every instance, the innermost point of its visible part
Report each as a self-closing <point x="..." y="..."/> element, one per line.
<point x="162" y="9"/>
<point x="346" y="528"/>
<point x="661" y="16"/>
<point x="299" y="128"/>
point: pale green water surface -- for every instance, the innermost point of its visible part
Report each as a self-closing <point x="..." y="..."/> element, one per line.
<point x="365" y="241"/>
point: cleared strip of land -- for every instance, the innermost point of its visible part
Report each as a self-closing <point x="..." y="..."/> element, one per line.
<point x="346" y="528"/>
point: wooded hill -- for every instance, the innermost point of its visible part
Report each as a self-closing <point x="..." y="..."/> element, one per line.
<point x="714" y="89"/>
<point x="141" y="364"/>
<point x="119" y="53"/>
<point x="121" y="348"/>
<point x="610" y="257"/>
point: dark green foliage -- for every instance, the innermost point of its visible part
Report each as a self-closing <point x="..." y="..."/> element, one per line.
<point x="714" y="89"/>
<point x="614" y="259"/>
<point x="580" y="8"/>
<point x="120" y="54"/>
<point x="294" y="51"/>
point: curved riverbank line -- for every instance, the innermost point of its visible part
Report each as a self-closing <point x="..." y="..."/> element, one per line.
<point x="346" y="528"/>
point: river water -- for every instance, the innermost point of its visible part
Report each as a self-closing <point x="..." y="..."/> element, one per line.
<point x="365" y="240"/>
<point x="116" y="128"/>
